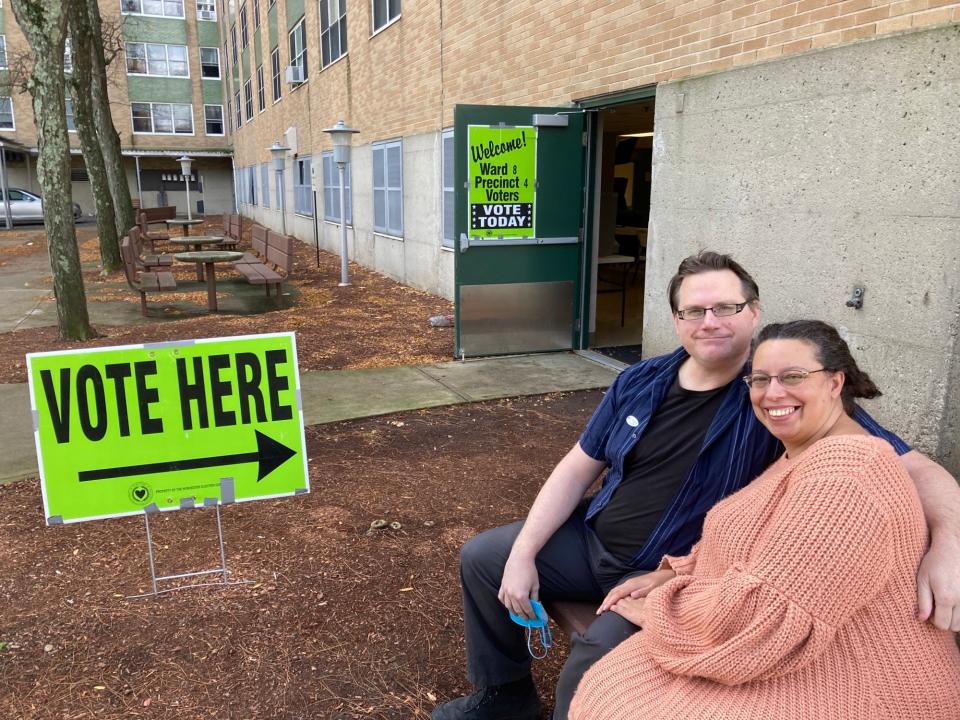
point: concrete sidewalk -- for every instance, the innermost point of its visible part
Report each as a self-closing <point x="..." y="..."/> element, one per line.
<point x="347" y="394"/>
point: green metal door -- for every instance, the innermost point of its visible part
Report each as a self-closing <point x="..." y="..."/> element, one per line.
<point x="518" y="240"/>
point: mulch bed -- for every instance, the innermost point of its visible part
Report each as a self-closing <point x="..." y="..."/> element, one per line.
<point x="338" y="621"/>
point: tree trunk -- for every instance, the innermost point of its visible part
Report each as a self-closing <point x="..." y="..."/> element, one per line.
<point x="79" y="24"/>
<point x="45" y="26"/>
<point x="109" y="140"/>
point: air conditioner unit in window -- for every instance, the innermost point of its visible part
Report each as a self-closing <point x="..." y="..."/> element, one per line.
<point x="206" y="15"/>
<point x="294" y="74"/>
<point x="130" y="6"/>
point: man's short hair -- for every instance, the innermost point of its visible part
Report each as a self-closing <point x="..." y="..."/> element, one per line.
<point x="710" y="261"/>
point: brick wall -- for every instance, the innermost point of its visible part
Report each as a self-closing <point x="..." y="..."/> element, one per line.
<point x="407" y="78"/>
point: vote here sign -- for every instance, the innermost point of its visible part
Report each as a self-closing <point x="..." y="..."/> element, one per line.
<point x="122" y="430"/>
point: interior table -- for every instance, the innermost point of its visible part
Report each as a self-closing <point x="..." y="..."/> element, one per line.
<point x="625" y="261"/>
<point x="207" y="259"/>
<point x="196" y="243"/>
<point x="184" y="224"/>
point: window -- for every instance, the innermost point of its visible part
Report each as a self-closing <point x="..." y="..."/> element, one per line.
<point x="233" y="41"/>
<point x="236" y="109"/>
<point x="160" y="60"/>
<point x="256" y="14"/>
<point x="446" y="239"/>
<point x="265" y="184"/>
<point x="67" y="56"/>
<point x="250" y="177"/>
<point x="213" y="119"/>
<point x="333" y="30"/>
<point x="248" y="99"/>
<point x="331" y="190"/>
<point x="261" y="91"/>
<point x="206" y="10"/>
<point x="161" y="8"/>
<point x="275" y="71"/>
<point x="162" y="118"/>
<point x="388" y="187"/>
<point x="3" y="51"/>
<point x="298" y="47"/>
<point x="71" y="124"/>
<point x="210" y="63"/>
<point x="243" y="27"/>
<point x="302" y="192"/>
<point x="6" y="114"/>
<point x="384" y="13"/>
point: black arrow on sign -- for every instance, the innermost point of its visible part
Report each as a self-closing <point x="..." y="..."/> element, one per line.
<point x="269" y="456"/>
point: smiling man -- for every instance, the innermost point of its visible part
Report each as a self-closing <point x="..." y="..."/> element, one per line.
<point x="675" y="434"/>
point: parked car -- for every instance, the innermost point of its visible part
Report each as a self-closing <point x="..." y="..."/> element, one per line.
<point x="27" y="207"/>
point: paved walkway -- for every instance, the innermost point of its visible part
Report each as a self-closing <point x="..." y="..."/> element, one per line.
<point x="347" y="394"/>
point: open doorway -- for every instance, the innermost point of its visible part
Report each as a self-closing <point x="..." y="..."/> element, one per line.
<point x="624" y="152"/>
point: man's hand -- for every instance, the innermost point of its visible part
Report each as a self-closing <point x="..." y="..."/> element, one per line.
<point x="632" y="609"/>
<point x="520" y="583"/>
<point x="635" y="587"/>
<point x="938" y="586"/>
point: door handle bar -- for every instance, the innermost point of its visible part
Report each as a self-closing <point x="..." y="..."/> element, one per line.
<point x="467" y="243"/>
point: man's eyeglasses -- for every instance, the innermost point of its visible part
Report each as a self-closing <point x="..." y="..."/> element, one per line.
<point x="790" y="378"/>
<point x="698" y="313"/>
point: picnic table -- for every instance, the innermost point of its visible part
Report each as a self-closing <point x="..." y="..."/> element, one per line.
<point x="206" y="259"/>
<point x="184" y="224"/>
<point x="196" y="243"/>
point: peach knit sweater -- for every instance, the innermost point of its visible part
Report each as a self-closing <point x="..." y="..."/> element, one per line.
<point x="797" y="604"/>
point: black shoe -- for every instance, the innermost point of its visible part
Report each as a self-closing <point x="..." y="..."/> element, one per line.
<point x="515" y="701"/>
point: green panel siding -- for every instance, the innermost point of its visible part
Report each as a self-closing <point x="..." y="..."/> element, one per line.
<point x="245" y="63"/>
<point x="3" y="20"/>
<point x="208" y="34"/>
<point x="155" y="30"/>
<point x="213" y="92"/>
<point x="294" y="12"/>
<point x="272" y="23"/>
<point x="142" y="89"/>
<point x="257" y="45"/>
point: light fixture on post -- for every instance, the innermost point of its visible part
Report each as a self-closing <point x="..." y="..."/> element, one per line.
<point x="279" y="153"/>
<point x="340" y="135"/>
<point x="186" y="162"/>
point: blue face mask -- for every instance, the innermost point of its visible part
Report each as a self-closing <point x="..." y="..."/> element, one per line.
<point x="541" y="624"/>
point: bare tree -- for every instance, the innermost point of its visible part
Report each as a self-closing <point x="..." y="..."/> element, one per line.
<point x="103" y="119"/>
<point x="44" y="24"/>
<point x="80" y="82"/>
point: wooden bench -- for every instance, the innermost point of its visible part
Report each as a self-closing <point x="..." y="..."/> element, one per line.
<point x="147" y="281"/>
<point x="159" y="215"/>
<point x="145" y="234"/>
<point x="270" y="268"/>
<point x="232" y="230"/>
<point x="147" y="262"/>
<point x="571" y="616"/>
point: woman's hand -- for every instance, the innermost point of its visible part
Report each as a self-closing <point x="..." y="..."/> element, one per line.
<point x="635" y="587"/>
<point x="632" y="609"/>
<point x="520" y="583"/>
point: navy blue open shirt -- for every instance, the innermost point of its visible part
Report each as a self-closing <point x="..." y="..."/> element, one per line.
<point x="737" y="448"/>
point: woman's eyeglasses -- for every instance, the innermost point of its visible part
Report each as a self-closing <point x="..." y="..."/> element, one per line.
<point x="789" y="378"/>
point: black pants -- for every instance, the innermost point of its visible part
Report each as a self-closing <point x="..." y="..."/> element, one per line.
<point x="573" y="565"/>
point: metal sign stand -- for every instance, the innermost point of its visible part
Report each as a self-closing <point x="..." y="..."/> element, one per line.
<point x="222" y="570"/>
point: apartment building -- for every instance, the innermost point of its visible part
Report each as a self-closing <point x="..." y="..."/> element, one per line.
<point x="166" y="94"/>
<point x="547" y="164"/>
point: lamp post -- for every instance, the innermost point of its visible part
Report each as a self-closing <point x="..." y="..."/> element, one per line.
<point x="340" y="135"/>
<point x="279" y="153"/>
<point x="185" y="164"/>
<point x="3" y="186"/>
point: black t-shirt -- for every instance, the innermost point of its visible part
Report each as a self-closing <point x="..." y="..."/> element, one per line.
<point x="656" y="467"/>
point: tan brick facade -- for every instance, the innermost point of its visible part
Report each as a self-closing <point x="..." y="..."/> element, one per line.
<point x="407" y="78"/>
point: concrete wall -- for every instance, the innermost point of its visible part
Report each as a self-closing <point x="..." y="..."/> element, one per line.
<point x="820" y="172"/>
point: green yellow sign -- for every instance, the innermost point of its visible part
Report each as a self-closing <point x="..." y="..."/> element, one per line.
<point x="139" y="428"/>
<point x="503" y="179"/>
